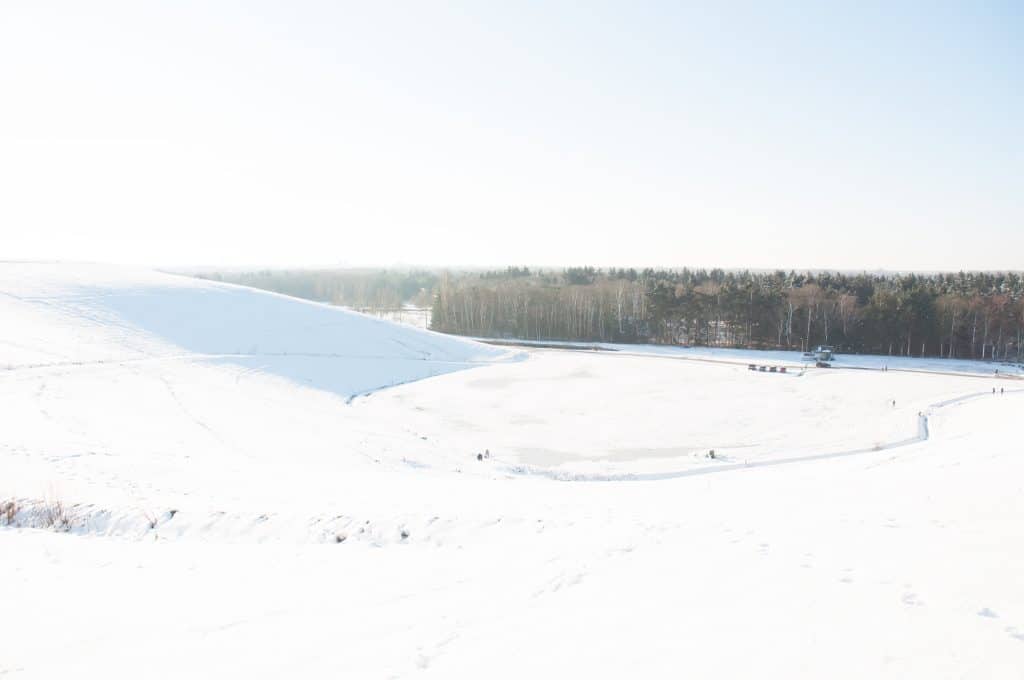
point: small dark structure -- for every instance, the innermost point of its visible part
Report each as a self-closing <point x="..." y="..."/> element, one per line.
<point x="821" y="353"/>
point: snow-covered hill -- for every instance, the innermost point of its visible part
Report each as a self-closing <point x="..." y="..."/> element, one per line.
<point x="125" y="388"/>
<point x="73" y="314"/>
<point x="201" y="480"/>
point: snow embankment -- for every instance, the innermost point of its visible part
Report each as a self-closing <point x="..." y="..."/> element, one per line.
<point x="66" y="315"/>
<point x="127" y="394"/>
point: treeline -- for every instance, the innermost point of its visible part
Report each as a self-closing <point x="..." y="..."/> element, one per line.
<point x="365" y="289"/>
<point x="974" y="315"/>
<point x="967" y="314"/>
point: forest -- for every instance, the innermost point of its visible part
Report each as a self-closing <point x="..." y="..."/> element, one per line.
<point x="967" y="314"/>
<point x="369" y="290"/>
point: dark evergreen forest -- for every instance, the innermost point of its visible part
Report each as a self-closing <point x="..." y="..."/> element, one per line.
<point x="966" y="314"/>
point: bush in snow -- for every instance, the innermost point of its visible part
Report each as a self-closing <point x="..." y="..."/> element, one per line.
<point x="8" y="511"/>
<point x="55" y="516"/>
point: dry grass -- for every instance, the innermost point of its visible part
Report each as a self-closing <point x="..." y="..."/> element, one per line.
<point x="46" y="514"/>
<point x="55" y="516"/>
<point x="8" y="512"/>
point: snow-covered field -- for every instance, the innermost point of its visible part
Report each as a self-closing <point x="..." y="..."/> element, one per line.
<point x="212" y="481"/>
<point x="790" y="359"/>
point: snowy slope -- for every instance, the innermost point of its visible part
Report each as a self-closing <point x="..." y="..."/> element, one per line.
<point x="243" y="501"/>
<point x="89" y="313"/>
<point x="126" y="388"/>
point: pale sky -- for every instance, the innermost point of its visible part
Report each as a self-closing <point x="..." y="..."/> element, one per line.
<point x="808" y="135"/>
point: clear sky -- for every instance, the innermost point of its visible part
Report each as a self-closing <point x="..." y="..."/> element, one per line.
<point x="850" y="135"/>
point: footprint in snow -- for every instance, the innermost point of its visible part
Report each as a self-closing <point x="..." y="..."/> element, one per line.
<point x="1015" y="633"/>
<point x="912" y="600"/>
<point x="988" y="613"/>
<point x="565" y="580"/>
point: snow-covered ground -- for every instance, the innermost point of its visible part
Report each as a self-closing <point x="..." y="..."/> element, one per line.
<point x="790" y="358"/>
<point x="256" y="486"/>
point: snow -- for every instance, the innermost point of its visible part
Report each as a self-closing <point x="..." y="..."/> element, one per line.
<point x="259" y="486"/>
<point x="90" y="314"/>
<point x="790" y="358"/>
